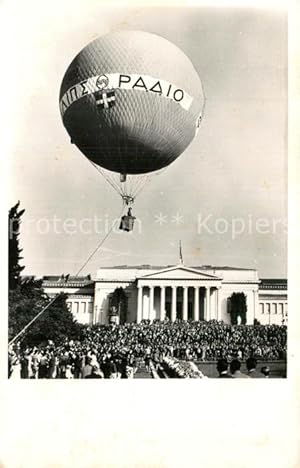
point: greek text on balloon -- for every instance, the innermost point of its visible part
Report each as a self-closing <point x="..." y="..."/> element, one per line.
<point x="127" y="82"/>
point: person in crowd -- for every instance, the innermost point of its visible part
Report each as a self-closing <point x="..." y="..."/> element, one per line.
<point x="251" y="364"/>
<point x="112" y="368"/>
<point x="86" y="368"/>
<point x="69" y="372"/>
<point x="26" y="365"/>
<point x="15" y="369"/>
<point x="53" y="366"/>
<point x="96" y="373"/>
<point x="235" y="370"/>
<point x="265" y="370"/>
<point x="222" y="367"/>
<point x="43" y="366"/>
<point x="148" y="359"/>
<point x="128" y="371"/>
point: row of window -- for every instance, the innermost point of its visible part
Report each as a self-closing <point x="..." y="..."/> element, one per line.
<point x="273" y="308"/>
<point x="80" y="307"/>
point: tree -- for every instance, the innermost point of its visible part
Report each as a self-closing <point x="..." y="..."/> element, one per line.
<point x="24" y="303"/>
<point x="15" y="269"/>
<point x="238" y="307"/>
<point x="56" y="323"/>
<point x="27" y="298"/>
<point x="119" y="304"/>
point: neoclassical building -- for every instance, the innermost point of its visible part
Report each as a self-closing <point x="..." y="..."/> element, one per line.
<point x="197" y="293"/>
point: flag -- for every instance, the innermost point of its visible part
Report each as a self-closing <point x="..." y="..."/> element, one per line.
<point x="105" y="99"/>
<point x="180" y="253"/>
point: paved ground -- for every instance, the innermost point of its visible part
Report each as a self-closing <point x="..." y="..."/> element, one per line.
<point x="278" y="369"/>
<point x="142" y="373"/>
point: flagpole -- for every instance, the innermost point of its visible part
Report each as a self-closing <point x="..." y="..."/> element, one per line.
<point x="180" y="253"/>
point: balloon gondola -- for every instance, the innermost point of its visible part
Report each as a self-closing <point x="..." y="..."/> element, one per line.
<point x="131" y="102"/>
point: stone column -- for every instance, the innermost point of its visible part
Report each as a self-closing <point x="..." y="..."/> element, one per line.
<point x="256" y="305"/>
<point x="207" y="303"/>
<point x="174" y="303"/>
<point x="162" y="302"/>
<point x="213" y="310"/>
<point x="95" y="313"/>
<point x="196" y="303"/>
<point x="151" y="302"/>
<point x="185" y="303"/>
<point x="217" y="304"/>
<point x="140" y="317"/>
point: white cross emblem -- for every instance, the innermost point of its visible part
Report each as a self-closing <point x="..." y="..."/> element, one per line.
<point x="106" y="99"/>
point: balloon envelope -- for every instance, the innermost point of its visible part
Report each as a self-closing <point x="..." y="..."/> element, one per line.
<point x="131" y="101"/>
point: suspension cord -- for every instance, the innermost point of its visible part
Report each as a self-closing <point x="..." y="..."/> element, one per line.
<point x="108" y="179"/>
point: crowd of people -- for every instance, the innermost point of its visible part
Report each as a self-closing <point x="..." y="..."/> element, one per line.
<point x="114" y="351"/>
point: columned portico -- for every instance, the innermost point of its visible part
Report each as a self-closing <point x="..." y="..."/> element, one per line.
<point x="189" y="300"/>
<point x="178" y="293"/>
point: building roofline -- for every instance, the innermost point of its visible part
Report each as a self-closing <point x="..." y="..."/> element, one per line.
<point x="282" y="280"/>
<point x="164" y="267"/>
<point x="180" y="267"/>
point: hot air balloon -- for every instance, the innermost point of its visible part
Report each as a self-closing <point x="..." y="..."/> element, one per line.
<point x="132" y="102"/>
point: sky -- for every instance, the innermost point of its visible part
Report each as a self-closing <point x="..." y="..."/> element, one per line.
<point x="225" y="198"/>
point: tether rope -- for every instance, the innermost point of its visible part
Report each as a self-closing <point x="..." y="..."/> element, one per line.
<point x="34" y="319"/>
<point x="98" y="246"/>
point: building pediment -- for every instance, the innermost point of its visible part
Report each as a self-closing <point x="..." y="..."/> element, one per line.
<point x="180" y="273"/>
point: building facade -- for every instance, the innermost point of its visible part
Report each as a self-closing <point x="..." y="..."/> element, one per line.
<point x="187" y="293"/>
